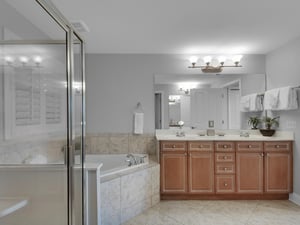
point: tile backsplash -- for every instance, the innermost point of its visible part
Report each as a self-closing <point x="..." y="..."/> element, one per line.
<point x="115" y="143"/>
<point x="45" y="150"/>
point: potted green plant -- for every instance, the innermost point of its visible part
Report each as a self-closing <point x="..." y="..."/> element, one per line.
<point x="269" y="124"/>
<point x="254" y="121"/>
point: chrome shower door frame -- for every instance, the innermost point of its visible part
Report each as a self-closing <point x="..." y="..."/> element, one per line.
<point x="63" y="22"/>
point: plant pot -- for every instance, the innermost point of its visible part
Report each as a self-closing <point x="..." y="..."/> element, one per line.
<point x="267" y="132"/>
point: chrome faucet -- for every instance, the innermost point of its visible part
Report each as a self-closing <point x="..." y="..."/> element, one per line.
<point x="180" y="133"/>
<point x="131" y="160"/>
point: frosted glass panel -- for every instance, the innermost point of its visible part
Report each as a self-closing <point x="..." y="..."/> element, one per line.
<point x="33" y="116"/>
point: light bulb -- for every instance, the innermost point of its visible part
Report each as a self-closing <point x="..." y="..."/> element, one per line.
<point x="8" y="59"/>
<point x="222" y="59"/>
<point x="237" y="58"/>
<point x="193" y="59"/>
<point x="207" y="59"/>
<point x="23" y="59"/>
<point x="38" y="59"/>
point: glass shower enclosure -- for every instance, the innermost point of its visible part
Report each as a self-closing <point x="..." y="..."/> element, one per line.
<point x="42" y="116"/>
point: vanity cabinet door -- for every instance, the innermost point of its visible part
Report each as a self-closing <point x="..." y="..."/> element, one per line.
<point x="173" y="173"/>
<point x="249" y="172"/>
<point x="278" y="172"/>
<point x="201" y="172"/>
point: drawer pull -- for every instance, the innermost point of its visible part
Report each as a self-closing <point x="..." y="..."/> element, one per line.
<point x="277" y="146"/>
<point x="224" y="146"/>
<point x="225" y="168"/>
<point x="249" y="146"/>
<point x="225" y="157"/>
<point x="225" y="184"/>
<point x="173" y="146"/>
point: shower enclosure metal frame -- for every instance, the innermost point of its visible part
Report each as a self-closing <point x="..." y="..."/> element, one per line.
<point x="63" y="22"/>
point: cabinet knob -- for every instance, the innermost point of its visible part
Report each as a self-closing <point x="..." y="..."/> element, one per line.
<point x="249" y="146"/>
<point x="262" y="154"/>
<point x="277" y="146"/>
<point x="225" y="184"/>
<point x="225" y="157"/>
<point x="224" y="146"/>
<point x="225" y="168"/>
<point x="173" y="146"/>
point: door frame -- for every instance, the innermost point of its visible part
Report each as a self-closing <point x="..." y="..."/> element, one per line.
<point x="162" y="105"/>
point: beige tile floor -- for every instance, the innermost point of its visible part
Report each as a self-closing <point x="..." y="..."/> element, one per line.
<point x="220" y="213"/>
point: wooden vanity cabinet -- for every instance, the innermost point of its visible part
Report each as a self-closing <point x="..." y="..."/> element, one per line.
<point x="173" y="172"/>
<point x="200" y="167"/>
<point x="278" y="167"/>
<point x="249" y="167"/>
<point x="225" y="167"/>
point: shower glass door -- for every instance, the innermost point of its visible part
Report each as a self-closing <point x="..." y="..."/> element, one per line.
<point x="41" y="116"/>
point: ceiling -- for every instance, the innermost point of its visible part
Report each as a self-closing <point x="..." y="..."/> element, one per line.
<point x="185" y="27"/>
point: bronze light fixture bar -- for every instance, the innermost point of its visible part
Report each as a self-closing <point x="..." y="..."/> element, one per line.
<point x="207" y="68"/>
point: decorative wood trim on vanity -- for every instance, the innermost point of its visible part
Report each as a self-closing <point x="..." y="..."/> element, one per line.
<point x="225" y="197"/>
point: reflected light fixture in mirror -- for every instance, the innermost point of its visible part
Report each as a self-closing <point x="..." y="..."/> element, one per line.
<point x="208" y="68"/>
<point x="24" y="60"/>
<point x="187" y="86"/>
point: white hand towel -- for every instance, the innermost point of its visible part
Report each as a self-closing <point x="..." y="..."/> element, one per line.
<point x="245" y="103"/>
<point x="138" y="123"/>
<point x="255" y="103"/>
<point x="271" y="99"/>
<point x="287" y="99"/>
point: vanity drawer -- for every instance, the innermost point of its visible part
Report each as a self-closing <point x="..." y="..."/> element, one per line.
<point x="225" y="184"/>
<point x="201" y="146"/>
<point x="275" y="146"/>
<point x="224" y="157"/>
<point x="225" y="146"/>
<point x="173" y="146"/>
<point x="225" y="168"/>
<point x="253" y="146"/>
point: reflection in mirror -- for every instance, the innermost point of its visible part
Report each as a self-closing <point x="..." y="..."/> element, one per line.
<point x="204" y="101"/>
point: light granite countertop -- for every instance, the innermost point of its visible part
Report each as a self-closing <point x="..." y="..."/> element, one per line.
<point x="228" y="135"/>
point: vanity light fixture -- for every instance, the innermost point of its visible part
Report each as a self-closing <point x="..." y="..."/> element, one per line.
<point x="25" y="61"/>
<point x="208" y="68"/>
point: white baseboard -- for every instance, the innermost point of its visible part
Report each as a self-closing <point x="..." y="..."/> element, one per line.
<point x="295" y="198"/>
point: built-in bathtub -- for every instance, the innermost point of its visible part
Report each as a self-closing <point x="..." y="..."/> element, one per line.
<point x="115" y="163"/>
<point x="125" y="191"/>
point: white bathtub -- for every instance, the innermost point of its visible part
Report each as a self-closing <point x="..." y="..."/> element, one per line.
<point x="114" y="163"/>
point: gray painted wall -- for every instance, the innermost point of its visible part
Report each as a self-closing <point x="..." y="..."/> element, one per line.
<point x="115" y="83"/>
<point x="282" y="68"/>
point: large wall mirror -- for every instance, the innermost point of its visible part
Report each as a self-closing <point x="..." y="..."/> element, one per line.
<point x="204" y="101"/>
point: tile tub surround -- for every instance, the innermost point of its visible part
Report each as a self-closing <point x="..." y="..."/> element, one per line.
<point x="127" y="195"/>
<point x="276" y="212"/>
<point x="20" y="151"/>
<point x="120" y="143"/>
